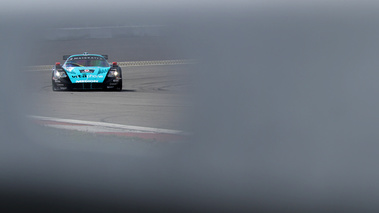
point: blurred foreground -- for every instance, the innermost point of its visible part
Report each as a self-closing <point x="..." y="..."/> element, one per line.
<point x="285" y="119"/>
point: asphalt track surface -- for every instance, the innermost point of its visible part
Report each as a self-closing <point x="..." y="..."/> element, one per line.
<point x="152" y="95"/>
<point x="296" y="132"/>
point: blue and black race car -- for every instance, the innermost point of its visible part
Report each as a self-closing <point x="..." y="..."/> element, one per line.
<point x="86" y="71"/>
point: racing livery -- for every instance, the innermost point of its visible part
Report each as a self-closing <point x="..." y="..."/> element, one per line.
<point x="86" y="71"/>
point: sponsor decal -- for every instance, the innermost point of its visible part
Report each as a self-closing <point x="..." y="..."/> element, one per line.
<point x="87" y="76"/>
<point x="87" y="81"/>
<point x="86" y="71"/>
<point x="79" y="76"/>
<point x="85" y="58"/>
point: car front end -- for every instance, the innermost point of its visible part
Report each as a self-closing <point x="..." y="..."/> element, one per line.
<point x="86" y="72"/>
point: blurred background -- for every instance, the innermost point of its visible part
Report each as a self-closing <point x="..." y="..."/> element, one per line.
<point x="280" y="104"/>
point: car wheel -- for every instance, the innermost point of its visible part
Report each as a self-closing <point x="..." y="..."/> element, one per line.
<point x="54" y="87"/>
<point x="119" y="88"/>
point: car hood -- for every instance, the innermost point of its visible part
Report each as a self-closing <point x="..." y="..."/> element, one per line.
<point x="87" y="74"/>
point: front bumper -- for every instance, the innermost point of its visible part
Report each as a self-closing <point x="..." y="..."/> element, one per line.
<point x="65" y="84"/>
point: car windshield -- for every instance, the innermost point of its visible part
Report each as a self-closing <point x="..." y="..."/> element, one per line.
<point x="86" y="61"/>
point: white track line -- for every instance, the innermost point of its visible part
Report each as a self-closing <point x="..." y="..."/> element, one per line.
<point x="106" y="126"/>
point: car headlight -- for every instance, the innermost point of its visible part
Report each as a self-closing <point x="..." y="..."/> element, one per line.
<point x="113" y="73"/>
<point x="59" y="74"/>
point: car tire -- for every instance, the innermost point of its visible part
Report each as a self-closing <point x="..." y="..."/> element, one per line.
<point x="119" y="87"/>
<point x="54" y="88"/>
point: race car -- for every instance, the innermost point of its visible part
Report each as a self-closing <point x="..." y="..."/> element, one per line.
<point x="86" y="72"/>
